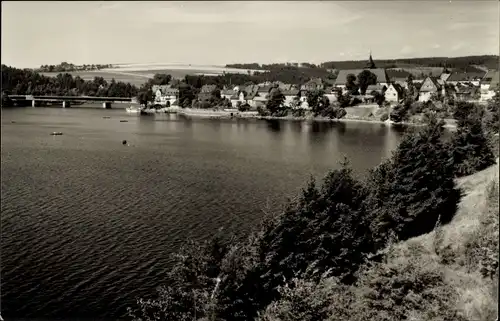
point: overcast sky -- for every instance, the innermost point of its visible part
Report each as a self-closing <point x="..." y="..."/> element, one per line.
<point x="49" y="32"/>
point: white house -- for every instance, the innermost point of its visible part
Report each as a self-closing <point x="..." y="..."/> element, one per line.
<point x="165" y="95"/>
<point x="394" y="93"/>
<point x="489" y="84"/>
<point x="429" y="87"/>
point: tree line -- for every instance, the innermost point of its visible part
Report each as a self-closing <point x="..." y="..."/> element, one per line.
<point x="332" y="231"/>
<point x="27" y="82"/>
<point x="65" y="67"/>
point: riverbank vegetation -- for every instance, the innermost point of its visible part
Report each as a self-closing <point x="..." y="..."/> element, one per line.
<point x="412" y="241"/>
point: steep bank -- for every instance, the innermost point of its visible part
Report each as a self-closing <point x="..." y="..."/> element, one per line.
<point x="465" y="251"/>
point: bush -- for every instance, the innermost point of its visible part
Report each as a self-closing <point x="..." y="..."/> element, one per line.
<point x="405" y="288"/>
<point x="263" y="111"/>
<point x="384" y="116"/>
<point x="244" y="107"/>
<point x="298" y="112"/>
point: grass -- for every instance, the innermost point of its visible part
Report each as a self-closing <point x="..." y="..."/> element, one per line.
<point x="134" y="79"/>
<point x="466" y="249"/>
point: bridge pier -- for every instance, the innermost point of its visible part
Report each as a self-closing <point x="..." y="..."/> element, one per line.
<point x="106" y="105"/>
<point x="33" y="103"/>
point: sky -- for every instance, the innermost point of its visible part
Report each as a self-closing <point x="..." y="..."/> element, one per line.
<point x="221" y="32"/>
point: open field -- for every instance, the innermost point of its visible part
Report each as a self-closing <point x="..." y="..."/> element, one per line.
<point x="134" y="79"/>
<point x="137" y="74"/>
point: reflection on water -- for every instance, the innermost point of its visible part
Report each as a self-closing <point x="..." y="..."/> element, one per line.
<point x="88" y="223"/>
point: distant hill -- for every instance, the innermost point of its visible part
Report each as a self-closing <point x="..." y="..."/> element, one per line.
<point x="455" y="63"/>
<point x="471" y="63"/>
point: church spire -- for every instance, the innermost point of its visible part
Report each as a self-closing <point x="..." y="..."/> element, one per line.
<point x="370" y="64"/>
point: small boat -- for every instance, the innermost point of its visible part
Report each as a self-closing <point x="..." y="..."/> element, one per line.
<point x="106" y="117"/>
<point x="123" y="121"/>
<point x="56" y="133"/>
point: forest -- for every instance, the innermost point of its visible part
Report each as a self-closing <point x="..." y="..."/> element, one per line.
<point x="458" y="63"/>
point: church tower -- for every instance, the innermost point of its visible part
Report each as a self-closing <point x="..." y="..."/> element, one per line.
<point x="370" y="64"/>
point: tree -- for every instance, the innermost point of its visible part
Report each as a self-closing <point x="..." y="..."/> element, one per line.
<point x="190" y="292"/>
<point x="471" y="151"/>
<point x="491" y="118"/>
<point x="161" y="79"/>
<point x="317" y="101"/>
<point x="275" y="100"/>
<point x="416" y="187"/>
<point x="187" y="95"/>
<point x="410" y="92"/>
<point x="399" y="113"/>
<point x="351" y="84"/>
<point x="366" y="78"/>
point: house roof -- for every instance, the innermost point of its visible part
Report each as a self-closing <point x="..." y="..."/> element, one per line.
<point x="393" y="74"/>
<point x="264" y="88"/>
<point x="377" y="87"/>
<point x="434" y="80"/>
<point x="291" y="92"/>
<point x="465" y="76"/>
<point x="489" y="76"/>
<point x="208" y="88"/>
<point x="494" y="84"/>
<point x="165" y="90"/>
<point x="204" y="95"/>
<point x="397" y="87"/>
<point x="342" y="76"/>
<point x="445" y="76"/>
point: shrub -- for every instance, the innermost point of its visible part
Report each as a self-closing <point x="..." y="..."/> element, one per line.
<point x="384" y="117"/>
<point x="298" y="112"/>
<point x="405" y="288"/>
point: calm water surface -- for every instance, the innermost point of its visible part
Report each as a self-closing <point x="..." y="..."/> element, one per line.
<point x="89" y="224"/>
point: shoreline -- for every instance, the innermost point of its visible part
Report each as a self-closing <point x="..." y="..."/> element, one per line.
<point x="241" y="115"/>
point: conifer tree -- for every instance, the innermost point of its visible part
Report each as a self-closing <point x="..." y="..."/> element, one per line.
<point x="471" y="151"/>
<point x="412" y="189"/>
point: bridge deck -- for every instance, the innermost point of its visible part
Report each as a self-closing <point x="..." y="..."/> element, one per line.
<point x="31" y="97"/>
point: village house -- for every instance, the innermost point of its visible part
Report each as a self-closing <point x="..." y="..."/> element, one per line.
<point x="331" y="94"/>
<point x="465" y="77"/>
<point x="380" y="73"/>
<point x="429" y="87"/>
<point x="165" y="95"/>
<point x="290" y="96"/>
<point x="394" y="93"/>
<point x="227" y="93"/>
<point x="313" y="84"/>
<point x="465" y="91"/>
<point x="489" y="84"/>
<point x="245" y="95"/>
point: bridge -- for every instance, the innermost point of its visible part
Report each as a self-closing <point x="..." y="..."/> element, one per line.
<point x="66" y="100"/>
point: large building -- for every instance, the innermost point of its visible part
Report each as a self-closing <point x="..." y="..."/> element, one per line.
<point x="380" y="73"/>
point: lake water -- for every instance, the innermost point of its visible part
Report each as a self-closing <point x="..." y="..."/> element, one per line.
<point x="88" y="224"/>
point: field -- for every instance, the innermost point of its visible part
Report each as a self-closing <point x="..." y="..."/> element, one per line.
<point x="134" y="79"/>
<point x="137" y="74"/>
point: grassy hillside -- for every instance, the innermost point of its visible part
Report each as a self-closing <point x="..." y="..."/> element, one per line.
<point x="449" y="274"/>
<point x="466" y="250"/>
<point x="127" y="77"/>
